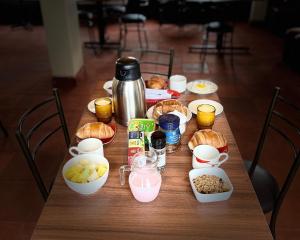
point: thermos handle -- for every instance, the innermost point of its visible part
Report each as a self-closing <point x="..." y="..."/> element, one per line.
<point x="122" y="170"/>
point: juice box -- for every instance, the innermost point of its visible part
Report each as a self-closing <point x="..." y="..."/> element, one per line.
<point x="139" y="131"/>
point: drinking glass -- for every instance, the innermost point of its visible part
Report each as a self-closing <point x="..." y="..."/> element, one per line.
<point x="205" y="116"/>
<point x="103" y="109"/>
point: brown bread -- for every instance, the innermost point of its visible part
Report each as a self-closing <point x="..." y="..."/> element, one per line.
<point x="156" y="82"/>
<point x="209" y="137"/>
<point x="167" y="106"/>
<point x="95" y="130"/>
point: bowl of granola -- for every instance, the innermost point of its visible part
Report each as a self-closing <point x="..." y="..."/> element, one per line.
<point x="210" y="184"/>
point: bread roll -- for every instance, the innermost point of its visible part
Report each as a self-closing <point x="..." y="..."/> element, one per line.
<point x="167" y="106"/>
<point x="209" y="137"/>
<point x="95" y="130"/>
<point x="156" y="82"/>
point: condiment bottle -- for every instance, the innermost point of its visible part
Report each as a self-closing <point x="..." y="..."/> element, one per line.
<point x="158" y="144"/>
<point x="169" y="124"/>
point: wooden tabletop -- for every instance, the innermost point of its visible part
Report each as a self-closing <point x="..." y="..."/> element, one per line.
<point x="113" y="213"/>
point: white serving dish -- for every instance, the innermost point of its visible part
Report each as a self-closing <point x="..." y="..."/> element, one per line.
<point x="212" y="197"/>
<point x="91" y="187"/>
<point x="210" y="87"/>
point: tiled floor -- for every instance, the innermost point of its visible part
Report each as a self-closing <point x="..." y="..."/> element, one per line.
<point x="245" y="92"/>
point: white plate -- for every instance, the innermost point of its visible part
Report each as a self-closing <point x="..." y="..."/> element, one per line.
<point x="194" y="104"/>
<point x="209" y="88"/>
<point x="91" y="106"/>
<point x="213" y="197"/>
<point x="150" y="113"/>
<point x="107" y="86"/>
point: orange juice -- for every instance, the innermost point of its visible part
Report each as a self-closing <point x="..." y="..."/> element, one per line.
<point x="103" y="109"/>
<point x="205" y="116"/>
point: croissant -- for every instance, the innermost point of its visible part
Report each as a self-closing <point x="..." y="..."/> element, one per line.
<point x="95" y="130"/>
<point x="156" y="82"/>
<point x="167" y="106"/>
<point x="209" y="137"/>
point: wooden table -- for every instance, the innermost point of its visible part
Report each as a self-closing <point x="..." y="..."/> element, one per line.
<point x="113" y="213"/>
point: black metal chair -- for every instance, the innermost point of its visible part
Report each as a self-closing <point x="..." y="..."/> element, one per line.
<point x="153" y="62"/>
<point x="3" y="129"/>
<point x="221" y="29"/>
<point x="24" y="138"/>
<point x="269" y="194"/>
<point x="134" y="21"/>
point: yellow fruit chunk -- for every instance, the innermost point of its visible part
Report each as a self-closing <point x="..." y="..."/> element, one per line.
<point x="101" y="169"/>
<point x="84" y="172"/>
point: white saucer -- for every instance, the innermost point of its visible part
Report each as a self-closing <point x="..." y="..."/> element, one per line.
<point x="209" y="87"/>
<point x="91" y="106"/>
<point x="107" y="86"/>
<point x="194" y="104"/>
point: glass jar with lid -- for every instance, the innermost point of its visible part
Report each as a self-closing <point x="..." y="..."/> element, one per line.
<point x="169" y="124"/>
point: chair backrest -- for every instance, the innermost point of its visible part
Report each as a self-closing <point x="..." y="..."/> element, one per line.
<point x="3" y="129"/>
<point x="134" y="6"/>
<point x="272" y="114"/>
<point x="152" y="62"/>
<point x="24" y="137"/>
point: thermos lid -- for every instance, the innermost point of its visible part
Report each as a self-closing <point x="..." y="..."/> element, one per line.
<point x="127" y="69"/>
<point x="169" y="122"/>
<point x="158" y="140"/>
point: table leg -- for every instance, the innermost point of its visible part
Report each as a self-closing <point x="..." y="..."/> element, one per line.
<point x="101" y="22"/>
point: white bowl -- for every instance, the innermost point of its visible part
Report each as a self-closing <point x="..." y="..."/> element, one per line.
<point x="210" y="197"/>
<point x="91" y="187"/>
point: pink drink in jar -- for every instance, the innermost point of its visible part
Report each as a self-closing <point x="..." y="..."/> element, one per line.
<point x="145" y="184"/>
<point x="144" y="178"/>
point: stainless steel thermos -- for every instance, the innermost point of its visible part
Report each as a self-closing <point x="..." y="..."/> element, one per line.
<point x="128" y="91"/>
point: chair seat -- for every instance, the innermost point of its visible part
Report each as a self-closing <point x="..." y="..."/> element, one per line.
<point x="115" y="10"/>
<point x="219" y="27"/>
<point x="133" y="18"/>
<point x="265" y="186"/>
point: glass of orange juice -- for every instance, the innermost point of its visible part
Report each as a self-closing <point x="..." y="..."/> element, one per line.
<point x="103" y="109"/>
<point x="205" y="116"/>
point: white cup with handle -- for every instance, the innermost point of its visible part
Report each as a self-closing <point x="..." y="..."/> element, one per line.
<point x="178" y="83"/>
<point x="208" y="156"/>
<point x="88" y="145"/>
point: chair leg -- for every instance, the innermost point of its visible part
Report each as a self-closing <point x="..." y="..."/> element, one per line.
<point x="146" y="37"/>
<point x="120" y="33"/>
<point x="139" y="35"/>
<point x="203" y="55"/>
<point x="125" y="36"/>
<point x="3" y="129"/>
<point x="231" y="50"/>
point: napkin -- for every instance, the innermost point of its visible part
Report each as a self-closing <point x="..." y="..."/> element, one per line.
<point x="157" y="94"/>
<point x="182" y="122"/>
<point x="182" y="117"/>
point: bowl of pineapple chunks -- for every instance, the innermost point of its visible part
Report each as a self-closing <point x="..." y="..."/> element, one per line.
<point x="86" y="173"/>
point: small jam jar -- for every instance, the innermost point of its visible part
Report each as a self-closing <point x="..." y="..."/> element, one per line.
<point x="169" y="124"/>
